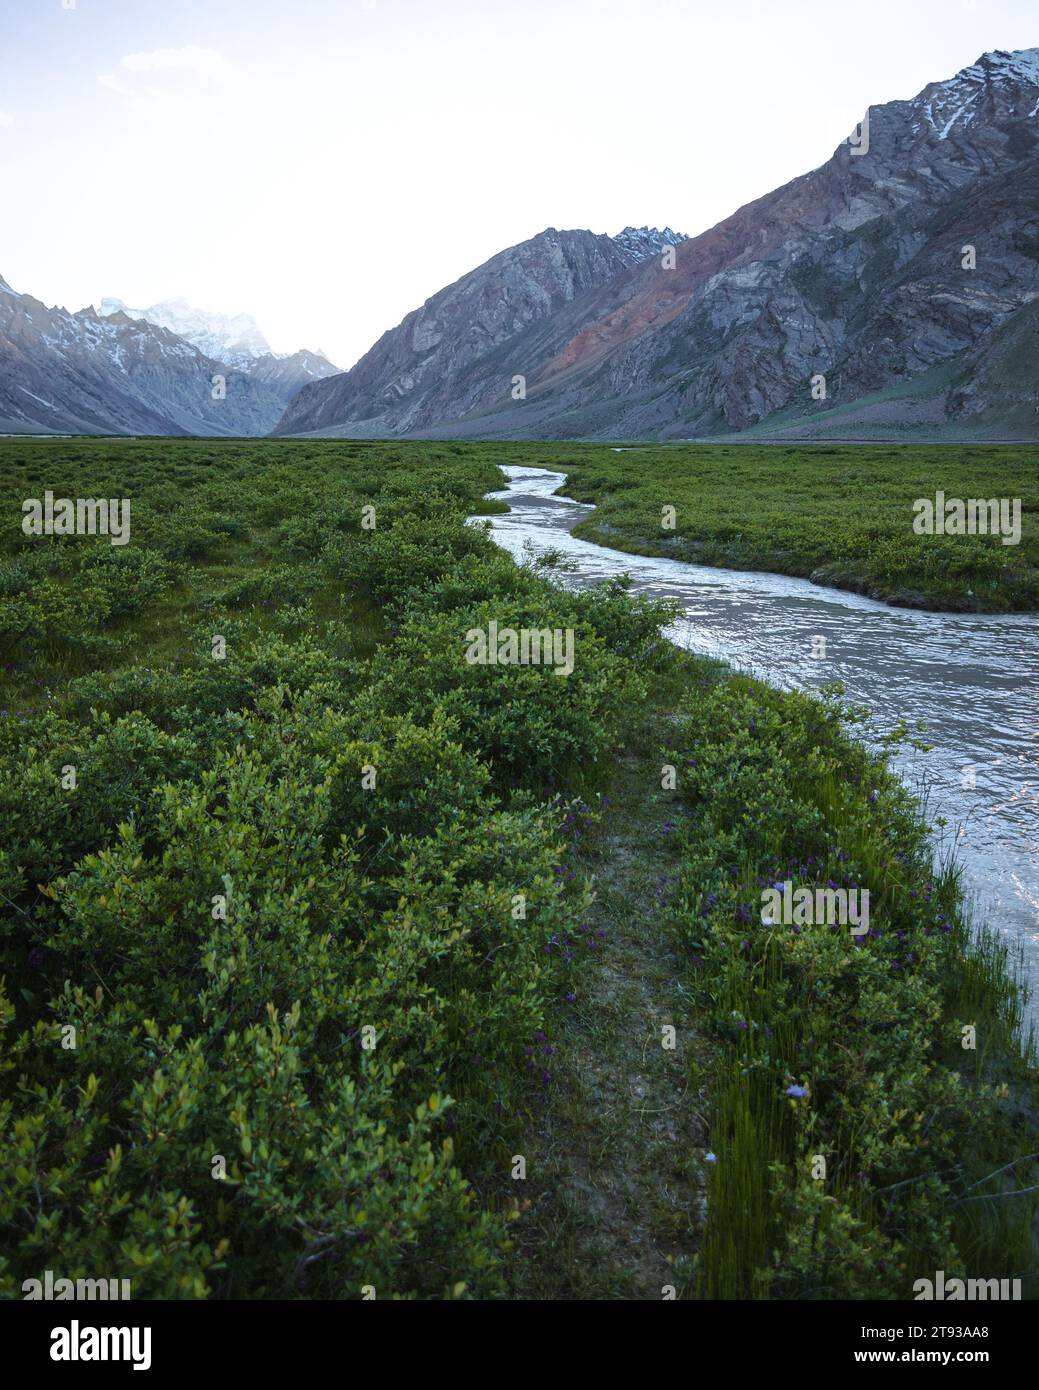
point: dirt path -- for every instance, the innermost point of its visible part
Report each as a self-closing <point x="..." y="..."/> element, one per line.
<point x="615" y="1173"/>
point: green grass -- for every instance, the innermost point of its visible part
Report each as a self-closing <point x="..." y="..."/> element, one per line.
<point x="839" y="514"/>
<point x="908" y="1123"/>
<point x="393" y="908"/>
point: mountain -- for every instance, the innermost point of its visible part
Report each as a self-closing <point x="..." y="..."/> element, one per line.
<point x="116" y="373"/>
<point x="231" y="338"/>
<point x="642" y="242"/>
<point x="437" y="363"/>
<point x="236" y="340"/>
<point x="283" y="373"/>
<point x="856" y="272"/>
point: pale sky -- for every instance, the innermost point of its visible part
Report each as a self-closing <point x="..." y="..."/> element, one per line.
<point x="327" y="165"/>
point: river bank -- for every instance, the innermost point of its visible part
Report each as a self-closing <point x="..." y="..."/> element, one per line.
<point x="962" y="685"/>
<point x="941" y="530"/>
<point x="829" y="1085"/>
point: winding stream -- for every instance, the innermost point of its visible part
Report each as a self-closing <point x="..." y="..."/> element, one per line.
<point x="973" y="678"/>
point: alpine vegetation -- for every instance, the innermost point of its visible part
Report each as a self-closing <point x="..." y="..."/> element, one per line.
<point x="302" y="947"/>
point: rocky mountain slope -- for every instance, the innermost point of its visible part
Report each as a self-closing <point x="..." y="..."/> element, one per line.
<point x="115" y="373"/>
<point x="894" y="263"/>
<point x="433" y="366"/>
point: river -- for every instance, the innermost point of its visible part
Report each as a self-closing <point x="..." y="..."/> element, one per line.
<point x="972" y="678"/>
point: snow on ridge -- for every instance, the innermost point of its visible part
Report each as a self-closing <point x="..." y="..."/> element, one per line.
<point x="944" y="105"/>
<point x="1024" y="63"/>
<point x="1021" y="66"/>
<point x="639" y="243"/>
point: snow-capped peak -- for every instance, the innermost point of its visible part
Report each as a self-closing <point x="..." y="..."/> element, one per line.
<point x="1020" y="66"/>
<point x="233" y="338"/>
<point x="955" y="103"/>
<point x="639" y="243"/>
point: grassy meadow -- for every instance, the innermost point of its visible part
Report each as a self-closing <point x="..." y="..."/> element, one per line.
<point x="840" y="515"/>
<point x="335" y="966"/>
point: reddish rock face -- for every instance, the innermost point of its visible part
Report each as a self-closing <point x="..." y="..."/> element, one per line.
<point x="853" y="272"/>
<point x="662" y="293"/>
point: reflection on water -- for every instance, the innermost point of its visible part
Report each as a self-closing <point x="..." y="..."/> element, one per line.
<point x="973" y="679"/>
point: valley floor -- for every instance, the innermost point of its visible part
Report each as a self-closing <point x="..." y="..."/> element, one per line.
<point x="331" y="960"/>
